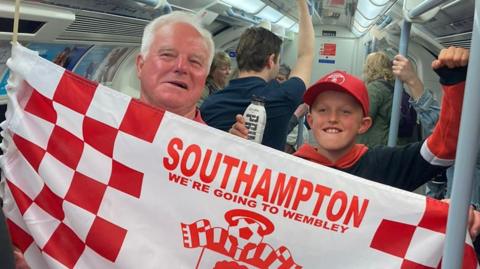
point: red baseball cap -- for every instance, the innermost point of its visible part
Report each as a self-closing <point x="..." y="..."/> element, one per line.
<point x="339" y="81"/>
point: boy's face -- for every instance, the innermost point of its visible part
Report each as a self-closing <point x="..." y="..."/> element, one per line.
<point x="336" y="118"/>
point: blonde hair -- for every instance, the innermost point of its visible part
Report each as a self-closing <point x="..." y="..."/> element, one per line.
<point x="219" y="60"/>
<point x="377" y="66"/>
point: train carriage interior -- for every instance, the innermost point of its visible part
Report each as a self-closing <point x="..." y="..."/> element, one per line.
<point x="100" y="39"/>
<point x="98" y="28"/>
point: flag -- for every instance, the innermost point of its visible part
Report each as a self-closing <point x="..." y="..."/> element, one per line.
<point x="92" y="178"/>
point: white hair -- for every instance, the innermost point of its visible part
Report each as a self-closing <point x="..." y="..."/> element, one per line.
<point x="172" y="18"/>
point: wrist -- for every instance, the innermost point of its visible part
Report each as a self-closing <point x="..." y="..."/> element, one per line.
<point x="413" y="82"/>
<point x="416" y="88"/>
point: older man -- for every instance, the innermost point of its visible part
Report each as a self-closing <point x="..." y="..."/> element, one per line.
<point x="173" y="63"/>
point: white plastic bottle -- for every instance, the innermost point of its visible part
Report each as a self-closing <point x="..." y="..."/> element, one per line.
<point x="255" y="119"/>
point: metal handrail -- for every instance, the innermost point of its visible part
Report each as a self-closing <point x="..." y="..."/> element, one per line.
<point x="468" y="146"/>
<point x="425" y="6"/>
<point x="398" y="89"/>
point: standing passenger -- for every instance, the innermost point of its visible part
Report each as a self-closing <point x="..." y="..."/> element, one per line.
<point x="283" y="73"/>
<point x="379" y="78"/>
<point x="295" y="120"/>
<point x="217" y="78"/>
<point x="258" y="62"/>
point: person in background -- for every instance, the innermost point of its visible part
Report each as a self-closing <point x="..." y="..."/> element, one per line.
<point x="258" y="58"/>
<point x="63" y="58"/>
<point x="283" y="73"/>
<point x="423" y="101"/>
<point x="292" y="129"/>
<point x="218" y="76"/>
<point x="379" y="78"/>
<point x="90" y="70"/>
<point x="173" y="64"/>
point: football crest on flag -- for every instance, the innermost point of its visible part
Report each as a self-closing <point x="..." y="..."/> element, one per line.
<point x="242" y="245"/>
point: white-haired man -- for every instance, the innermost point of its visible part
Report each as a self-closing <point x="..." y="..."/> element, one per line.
<point x="173" y="63"/>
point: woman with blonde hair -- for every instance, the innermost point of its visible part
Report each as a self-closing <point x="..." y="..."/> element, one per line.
<point x="378" y="66"/>
<point x="218" y="76"/>
<point x="379" y="79"/>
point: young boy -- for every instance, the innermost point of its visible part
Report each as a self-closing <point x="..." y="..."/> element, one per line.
<point x="339" y="112"/>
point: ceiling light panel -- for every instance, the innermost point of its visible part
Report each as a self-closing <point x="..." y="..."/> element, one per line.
<point x="250" y="6"/>
<point x="294" y="28"/>
<point x="269" y="14"/>
<point x="361" y="20"/>
<point x="286" y="22"/>
<point x="369" y="10"/>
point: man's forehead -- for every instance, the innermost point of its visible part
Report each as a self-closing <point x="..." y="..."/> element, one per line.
<point x="174" y="28"/>
<point x="187" y="33"/>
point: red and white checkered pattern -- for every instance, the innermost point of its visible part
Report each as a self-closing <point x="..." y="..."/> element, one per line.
<point x="66" y="138"/>
<point x="407" y="241"/>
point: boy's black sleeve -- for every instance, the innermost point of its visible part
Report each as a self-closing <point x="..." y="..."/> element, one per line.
<point x="400" y="167"/>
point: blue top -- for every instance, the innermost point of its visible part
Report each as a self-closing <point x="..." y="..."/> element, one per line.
<point x="281" y="100"/>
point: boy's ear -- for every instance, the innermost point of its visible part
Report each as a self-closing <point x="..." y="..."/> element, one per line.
<point x="365" y="125"/>
<point x="309" y="119"/>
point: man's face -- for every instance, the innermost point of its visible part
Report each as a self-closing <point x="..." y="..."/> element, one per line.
<point x="336" y="118"/>
<point x="173" y="73"/>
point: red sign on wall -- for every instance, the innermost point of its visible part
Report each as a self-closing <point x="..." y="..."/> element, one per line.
<point x="328" y="49"/>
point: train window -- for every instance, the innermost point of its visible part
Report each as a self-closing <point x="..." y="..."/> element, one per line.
<point x="24" y="26"/>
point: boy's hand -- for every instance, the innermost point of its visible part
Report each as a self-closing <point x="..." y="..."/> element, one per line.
<point x="451" y="57"/>
<point x="239" y="128"/>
